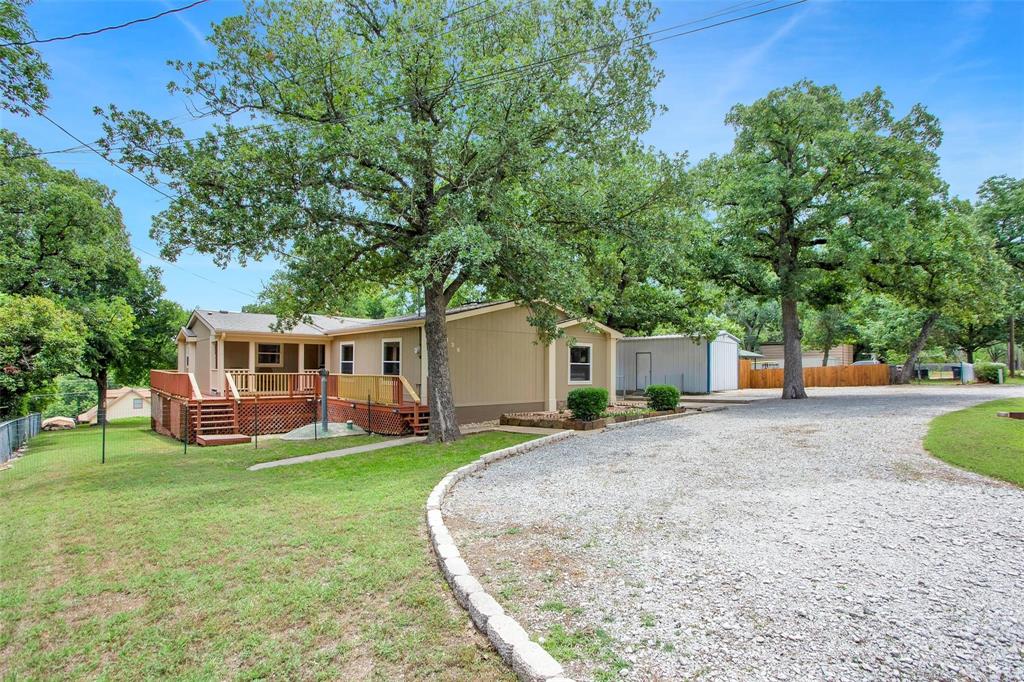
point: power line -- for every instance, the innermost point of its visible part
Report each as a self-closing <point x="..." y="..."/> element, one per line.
<point x="503" y="75"/>
<point x="105" y="29"/>
<point x="250" y="294"/>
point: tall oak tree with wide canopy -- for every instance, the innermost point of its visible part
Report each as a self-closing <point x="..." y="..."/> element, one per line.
<point x="814" y="188"/>
<point x="397" y="143"/>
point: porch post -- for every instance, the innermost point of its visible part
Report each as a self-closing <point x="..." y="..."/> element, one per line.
<point x="252" y="357"/>
<point x="302" y="357"/>
<point x="423" y="365"/>
<point x="221" y="372"/>
<point x="552" y="378"/>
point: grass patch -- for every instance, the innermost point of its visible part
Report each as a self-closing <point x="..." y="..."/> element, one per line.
<point x="592" y="645"/>
<point x="977" y="440"/>
<point x="159" y="564"/>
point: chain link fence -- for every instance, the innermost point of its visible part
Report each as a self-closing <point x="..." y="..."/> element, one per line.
<point x="14" y="434"/>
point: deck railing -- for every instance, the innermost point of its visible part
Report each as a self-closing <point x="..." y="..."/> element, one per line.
<point x="178" y="384"/>
<point x="275" y="383"/>
<point x="378" y="388"/>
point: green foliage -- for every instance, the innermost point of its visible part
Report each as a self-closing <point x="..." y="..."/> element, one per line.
<point x="69" y="396"/>
<point x="815" y="189"/>
<point x="39" y="340"/>
<point x="829" y="326"/>
<point x="23" y="73"/>
<point x="391" y="154"/>
<point x="990" y="371"/>
<point x="62" y="237"/>
<point x="760" y="321"/>
<point x="587" y="403"/>
<point x="662" y="397"/>
<point x="977" y="440"/>
<point x="1000" y="213"/>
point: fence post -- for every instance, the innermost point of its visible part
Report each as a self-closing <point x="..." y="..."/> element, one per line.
<point x="103" y="441"/>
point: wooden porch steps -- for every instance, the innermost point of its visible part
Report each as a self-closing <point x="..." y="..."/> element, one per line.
<point x="222" y="439"/>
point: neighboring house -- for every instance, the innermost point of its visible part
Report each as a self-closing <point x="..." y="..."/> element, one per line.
<point x="774" y="356"/>
<point x="122" y="403"/>
<point x="496" y="361"/>
<point x="691" y="365"/>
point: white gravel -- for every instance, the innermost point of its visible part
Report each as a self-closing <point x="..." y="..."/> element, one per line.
<point x="779" y="540"/>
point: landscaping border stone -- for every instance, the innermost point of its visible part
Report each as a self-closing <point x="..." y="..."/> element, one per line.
<point x="648" y="420"/>
<point x="529" y="660"/>
<point x="520" y="419"/>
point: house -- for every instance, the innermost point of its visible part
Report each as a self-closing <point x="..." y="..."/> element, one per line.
<point x="691" y="365"/>
<point x="378" y="368"/>
<point x="774" y="356"/>
<point x="122" y="403"/>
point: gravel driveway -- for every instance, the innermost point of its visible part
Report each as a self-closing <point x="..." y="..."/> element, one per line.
<point x="779" y="540"/>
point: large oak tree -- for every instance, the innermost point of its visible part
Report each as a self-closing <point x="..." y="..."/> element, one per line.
<point x="815" y="186"/>
<point x="397" y="143"/>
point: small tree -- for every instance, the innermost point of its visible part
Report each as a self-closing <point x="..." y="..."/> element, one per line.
<point x="814" y="185"/>
<point x="830" y="326"/>
<point x="400" y="144"/>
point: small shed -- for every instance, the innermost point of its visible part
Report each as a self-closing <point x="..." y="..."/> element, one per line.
<point x="691" y="365"/>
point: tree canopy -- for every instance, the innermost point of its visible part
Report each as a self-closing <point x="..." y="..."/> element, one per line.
<point x="398" y="144"/>
<point x="815" y="187"/>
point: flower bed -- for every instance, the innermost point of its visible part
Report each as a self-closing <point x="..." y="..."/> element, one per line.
<point x="562" y="419"/>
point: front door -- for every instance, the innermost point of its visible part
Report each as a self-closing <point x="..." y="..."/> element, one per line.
<point x="643" y="371"/>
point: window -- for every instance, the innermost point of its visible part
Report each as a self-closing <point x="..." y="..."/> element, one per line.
<point x="579" y="363"/>
<point x="391" y="354"/>
<point x="268" y="355"/>
<point x="137" y="403"/>
<point x="214" y="355"/>
<point x="348" y="358"/>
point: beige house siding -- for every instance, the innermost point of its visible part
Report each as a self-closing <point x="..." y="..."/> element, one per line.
<point x="495" y="359"/>
<point x="202" y="356"/>
<point x="368" y="352"/>
<point x="236" y="355"/>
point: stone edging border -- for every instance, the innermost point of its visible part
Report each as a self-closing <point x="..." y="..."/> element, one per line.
<point x="648" y="420"/>
<point x="529" y="661"/>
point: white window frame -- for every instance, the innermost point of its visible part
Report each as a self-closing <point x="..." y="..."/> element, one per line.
<point x="137" y="404"/>
<point x="589" y="364"/>
<point x="280" y="355"/>
<point x="341" y="357"/>
<point x="384" y="342"/>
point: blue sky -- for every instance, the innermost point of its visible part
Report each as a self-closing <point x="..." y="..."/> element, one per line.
<point x="963" y="60"/>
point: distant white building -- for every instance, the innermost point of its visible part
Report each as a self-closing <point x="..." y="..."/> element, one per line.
<point x="122" y="403"/>
<point x="691" y="365"/>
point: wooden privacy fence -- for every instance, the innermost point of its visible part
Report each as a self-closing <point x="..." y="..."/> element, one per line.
<point x="841" y="375"/>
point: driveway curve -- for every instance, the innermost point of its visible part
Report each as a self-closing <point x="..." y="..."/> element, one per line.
<point x="807" y="539"/>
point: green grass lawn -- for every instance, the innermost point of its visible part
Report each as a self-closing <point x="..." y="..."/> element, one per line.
<point x="159" y="564"/>
<point x="978" y="440"/>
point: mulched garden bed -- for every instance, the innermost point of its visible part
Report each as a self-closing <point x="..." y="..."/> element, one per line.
<point x="562" y="419"/>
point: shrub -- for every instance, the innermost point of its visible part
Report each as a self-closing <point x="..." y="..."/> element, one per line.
<point x="662" y="397"/>
<point x="989" y="371"/>
<point x="587" y="403"/>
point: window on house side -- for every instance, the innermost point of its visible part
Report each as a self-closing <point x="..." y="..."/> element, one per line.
<point x="579" y="364"/>
<point x="392" y="363"/>
<point x="136" y="403"/>
<point x="348" y="358"/>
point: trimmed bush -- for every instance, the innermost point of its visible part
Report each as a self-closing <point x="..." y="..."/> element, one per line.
<point x="587" y="404"/>
<point x="662" y="397"/>
<point x="989" y="371"/>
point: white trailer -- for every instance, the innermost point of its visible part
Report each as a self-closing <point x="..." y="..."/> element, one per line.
<point x="691" y="365"/>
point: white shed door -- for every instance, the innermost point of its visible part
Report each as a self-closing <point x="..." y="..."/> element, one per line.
<point x="725" y="367"/>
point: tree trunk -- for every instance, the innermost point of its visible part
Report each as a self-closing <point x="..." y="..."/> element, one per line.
<point x="915" y="349"/>
<point x="793" y="370"/>
<point x="101" y="397"/>
<point x="444" y="428"/>
<point x="824" y="356"/>
<point x="970" y="355"/>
